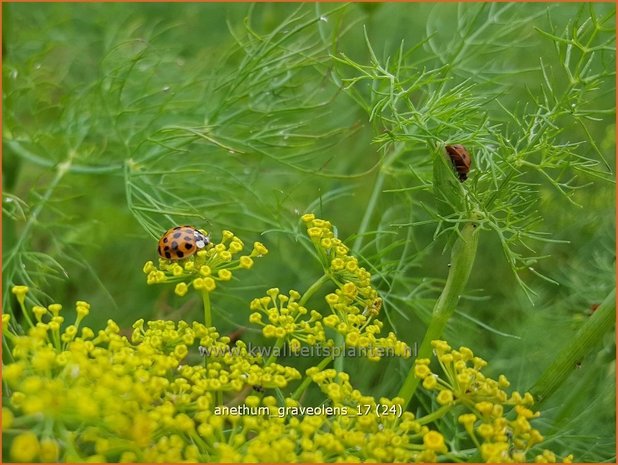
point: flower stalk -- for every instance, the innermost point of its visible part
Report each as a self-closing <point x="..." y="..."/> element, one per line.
<point x="307" y="380"/>
<point x="275" y="352"/>
<point x="314" y="288"/>
<point x="462" y="259"/>
<point x="207" y="308"/>
<point x="586" y="339"/>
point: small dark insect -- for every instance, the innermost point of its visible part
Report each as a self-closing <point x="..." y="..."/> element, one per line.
<point x="258" y="389"/>
<point x="235" y="336"/>
<point x="461" y="160"/>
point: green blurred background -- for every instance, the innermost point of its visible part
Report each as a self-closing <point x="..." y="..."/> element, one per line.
<point x="149" y="109"/>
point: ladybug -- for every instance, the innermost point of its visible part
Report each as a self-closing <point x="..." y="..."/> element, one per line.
<point x="461" y="160"/>
<point x="181" y="242"/>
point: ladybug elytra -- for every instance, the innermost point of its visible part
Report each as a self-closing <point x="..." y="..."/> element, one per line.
<point x="181" y="242"/>
<point x="461" y="160"/>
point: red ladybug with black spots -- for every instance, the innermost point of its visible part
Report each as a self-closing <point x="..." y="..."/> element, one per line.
<point x="181" y="242"/>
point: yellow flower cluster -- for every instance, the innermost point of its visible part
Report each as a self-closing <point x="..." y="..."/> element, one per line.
<point x="205" y="268"/>
<point x="175" y="392"/>
<point x="355" y="304"/>
<point x="336" y="259"/>
<point x="498" y="424"/>
<point x="154" y="398"/>
<point x="377" y="430"/>
<point x="225" y="367"/>
<point x="110" y="399"/>
<point x="287" y="319"/>
<point x="360" y="326"/>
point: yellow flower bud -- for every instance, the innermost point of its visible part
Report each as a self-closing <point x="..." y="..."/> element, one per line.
<point x="445" y="397"/>
<point x="467" y="419"/>
<point x="177" y="270"/>
<point x="49" y="450"/>
<point x="315" y="233"/>
<point x="486" y="430"/>
<point x="180" y="351"/>
<point x="235" y="246"/>
<point x="259" y="249"/>
<point x="20" y="292"/>
<point x="55" y="309"/>
<point x="269" y="331"/>
<point x="246" y="262"/>
<point x="82" y="308"/>
<point x="434" y="441"/>
<point x="181" y="289"/>
<point x="25" y="447"/>
<point x="485" y="408"/>
<point x="205" y="270"/>
<point x="7" y="418"/>
<point x="148" y="267"/>
<point x="39" y="312"/>
<point x="6" y="318"/>
<point x="307" y="217"/>
<point x="430" y="382"/>
<point x="421" y="370"/>
<point x="503" y="382"/>
<point x="224" y="275"/>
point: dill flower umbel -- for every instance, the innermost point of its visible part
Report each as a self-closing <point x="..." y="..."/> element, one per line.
<point x="154" y="397"/>
<point x="499" y="424"/>
<point x="360" y="326"/>
<point x="287" y="319"/>
<point x="378" y="430"/>
<point x="147" y="398"/>
<point x="355" y="305"/>
<point x="336" y="258"/>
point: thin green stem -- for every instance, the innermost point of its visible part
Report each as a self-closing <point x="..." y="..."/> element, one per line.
<point x="462" y="259"/>
<point x="371" y="206"/>
<point x="275" y="352"/>
<point x="364" y="225"/>
<point x="435" y="415"/>
<point x="340" y="343"/>
<point x="61" y="170"/>
<point x="375" y="194"/>
<point x="21" y="151"/>
<point x="22" y="304"/>
<point x="584" y="342"/>
<point x="207" y="308"/>
<point x="307" y="381"/>
<point x="313" y="289"/>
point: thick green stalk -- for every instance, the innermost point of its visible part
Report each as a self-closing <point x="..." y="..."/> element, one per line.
<point x="462" y="259"/>
<point x="584" y="342"/>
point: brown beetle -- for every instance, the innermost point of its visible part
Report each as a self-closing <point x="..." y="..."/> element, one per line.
<point x="461" y="160"/>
